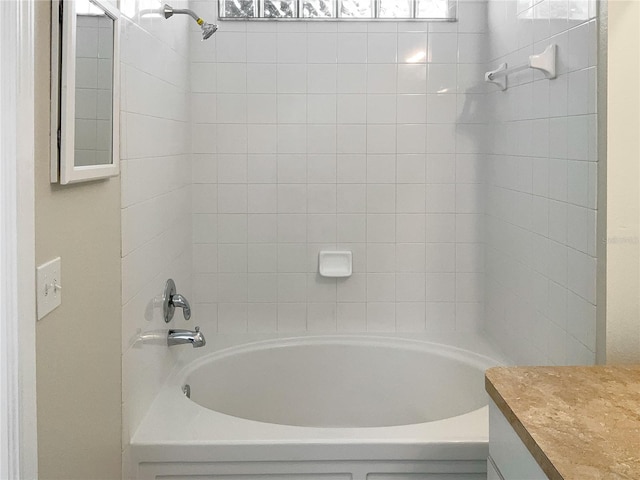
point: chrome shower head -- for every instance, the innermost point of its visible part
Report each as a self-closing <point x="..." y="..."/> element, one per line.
<point x="208" y="29"/>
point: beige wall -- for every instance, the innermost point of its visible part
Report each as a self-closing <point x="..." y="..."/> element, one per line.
<point x="78" y="345"/>
<point x="623" y="183"/>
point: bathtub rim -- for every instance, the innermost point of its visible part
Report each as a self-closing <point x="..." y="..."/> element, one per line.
<point x="177" y="429"/>
<point x="454" y="352"/>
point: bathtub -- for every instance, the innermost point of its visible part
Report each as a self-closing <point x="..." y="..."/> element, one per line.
<point x="322" y="408"/>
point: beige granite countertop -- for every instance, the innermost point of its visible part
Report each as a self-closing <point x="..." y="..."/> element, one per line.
<point x="579" y="423"/>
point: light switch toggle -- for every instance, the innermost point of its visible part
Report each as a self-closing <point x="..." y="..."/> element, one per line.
<point x="52" y="288"/>
<point x="49" y="287"/>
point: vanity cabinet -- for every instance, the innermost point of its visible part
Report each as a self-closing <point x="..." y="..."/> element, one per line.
<point x="509" y="459"/>
<point x="576" y="420"/>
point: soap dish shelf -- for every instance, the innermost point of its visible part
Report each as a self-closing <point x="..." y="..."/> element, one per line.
<point x="335" y="264"/>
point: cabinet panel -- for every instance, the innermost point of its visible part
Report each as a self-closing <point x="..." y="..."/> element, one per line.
<point x="511" y="457"/>
<point x="492" y="473"/>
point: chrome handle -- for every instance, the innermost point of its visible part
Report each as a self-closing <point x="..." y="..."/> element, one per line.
<point x="180" y="301"/>
<point x="171" y="299"/>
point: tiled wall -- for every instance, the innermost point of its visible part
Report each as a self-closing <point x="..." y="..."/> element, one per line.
<point x="541" y="185"/>
<point x="358" y="136"/>
<point x="156" y="197"/>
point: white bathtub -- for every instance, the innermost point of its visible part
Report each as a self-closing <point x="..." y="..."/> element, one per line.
<point x="330" y="407"/>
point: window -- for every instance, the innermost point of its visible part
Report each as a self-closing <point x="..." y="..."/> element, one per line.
<point x="336" y="9"/>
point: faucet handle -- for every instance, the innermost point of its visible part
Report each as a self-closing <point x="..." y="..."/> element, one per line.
<point x="171" y="299"/>
<point x="178" y="300"/>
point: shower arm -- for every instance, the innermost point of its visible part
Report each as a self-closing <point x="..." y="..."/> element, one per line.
<point x="170" y="11"/>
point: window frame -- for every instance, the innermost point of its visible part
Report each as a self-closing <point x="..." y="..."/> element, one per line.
<point x="258" y="6"/>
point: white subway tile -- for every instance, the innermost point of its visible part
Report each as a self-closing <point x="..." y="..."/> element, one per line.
<point x="262" y="168"/>
<point x="351" y="198"/>
<point x="410" y="198"/>
<point x="322" y="48"/>
<point x="440" y="287"/>
<point x="412" y="78"/>
<point x="321" y="317"/>
<point x="410" y="316"/>
<point x="381" y="228"/>
<point x="261" y="47"/>
<point x="381" y="198"/>
<point x="410" y="228"/>
<point x="381" y="138"/>
<point x="381" y="78"/>
<point x="322" y="109"/>
<point x="410" y="287"/>
<point x="292" y="287"/>
<point x="262" y="228"/>
<point x="351" y="228"/>
<point x="381" y="109"/>
<point x="262" y="318"/>
<point x="261" y="108"/>
<point x="292" y="78"/>
<point x="261" y="78"/>
<point x="292" y="228"/>
<point x="441" y="228"/>
<point x="382" y="47"/>
<point x="321" y="198"/>
<point x="262" y="198"/>
<point x="352" y="47"/>
<point x="231" y="46"/>
<point x="292" y="317"/>
<point x="321" y="78"/>
<point x="321" y="139"/>
<point x="412" y="47"/>
<point x="262" y="258"/>
<point x="292" y="198"/>
<point x="440" y="316"/>
<point x="292" y="47"/>
<point x="381" y="258"/>
<point x="351" y="139"/>
<point x="352" y="78"/>
<point x="352" y="317"/>
<point x="231" y="78"/>
<point x="321" y="228"/>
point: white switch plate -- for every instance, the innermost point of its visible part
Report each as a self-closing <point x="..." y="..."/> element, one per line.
<point x="48" y="285"/>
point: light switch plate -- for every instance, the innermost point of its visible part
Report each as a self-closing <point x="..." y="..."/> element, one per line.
<point x="48" y="285"/>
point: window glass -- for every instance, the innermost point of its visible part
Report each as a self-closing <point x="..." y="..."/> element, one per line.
<point x="340" y="9"/>
<point x="238" y="8"/>
<point x="279" y="9"/>
<point x="356" y="9"/>
<point x="318" y="9"/>
<point x="396" y="9"/>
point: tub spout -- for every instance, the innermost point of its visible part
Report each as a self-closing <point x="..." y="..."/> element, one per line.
<point x="179" y="337"/>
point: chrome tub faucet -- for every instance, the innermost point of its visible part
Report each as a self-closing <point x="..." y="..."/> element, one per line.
<point x="179" y="336"/>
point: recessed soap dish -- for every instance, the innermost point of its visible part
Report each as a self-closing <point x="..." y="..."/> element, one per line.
<point x="335" y="264"/>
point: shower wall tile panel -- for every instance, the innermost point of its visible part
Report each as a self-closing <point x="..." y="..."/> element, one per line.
<point x="541" y="185"/>
<point x="361" y="136"/>
<point x="156" y="197"/>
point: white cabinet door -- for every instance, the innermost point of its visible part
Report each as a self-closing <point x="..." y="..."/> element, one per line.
<point x="512" y="459"/>
<point x="492" y="472"/>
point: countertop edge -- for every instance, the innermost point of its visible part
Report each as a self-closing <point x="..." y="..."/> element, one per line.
<point x="527" y="439"/>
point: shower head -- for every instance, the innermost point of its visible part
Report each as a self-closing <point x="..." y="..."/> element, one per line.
<point x="208" y="29"/>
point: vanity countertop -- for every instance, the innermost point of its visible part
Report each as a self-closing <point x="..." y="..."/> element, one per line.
<point x="579" y="423"/>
